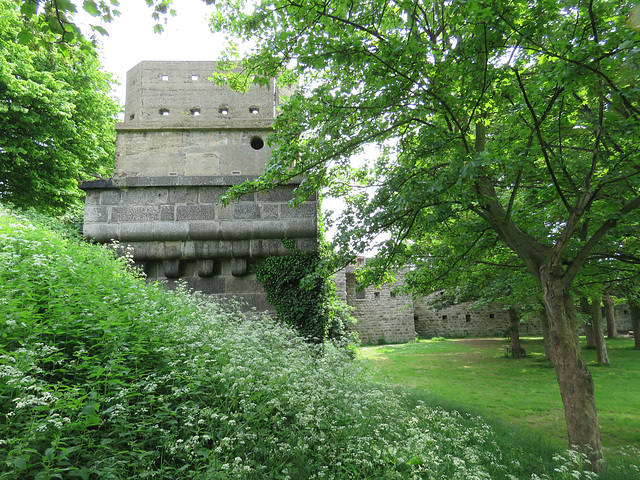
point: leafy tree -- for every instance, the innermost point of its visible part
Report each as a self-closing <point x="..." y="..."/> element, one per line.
<point x="490" y="272"/>
<point x="57" y="121"/>
<point x="523" y="114"/>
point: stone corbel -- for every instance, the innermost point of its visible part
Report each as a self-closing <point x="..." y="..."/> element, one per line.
<point x="205" y="267"/>
<point x="239" y="267"/>
<point x="171" y="268"/>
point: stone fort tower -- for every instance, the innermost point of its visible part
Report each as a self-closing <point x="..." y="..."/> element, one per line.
<point x="184" y="141"/>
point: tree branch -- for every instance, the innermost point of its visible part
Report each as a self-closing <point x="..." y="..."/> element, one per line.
<point x="607" y="225"/>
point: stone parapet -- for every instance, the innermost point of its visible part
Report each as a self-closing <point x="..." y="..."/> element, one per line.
<point x="193" y="217"/>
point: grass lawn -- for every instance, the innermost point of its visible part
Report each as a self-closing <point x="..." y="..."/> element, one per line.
<point x="474" y="374"/>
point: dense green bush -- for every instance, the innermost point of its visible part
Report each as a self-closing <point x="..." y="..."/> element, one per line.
<point x="304" y="295"/>
<point x="103" y="376"/>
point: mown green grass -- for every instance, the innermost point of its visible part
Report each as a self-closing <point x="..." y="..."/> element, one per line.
<point x="476" y="374"/>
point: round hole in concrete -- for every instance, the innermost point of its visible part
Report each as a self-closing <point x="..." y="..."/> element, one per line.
<point x="164" y="112"/>
<point x="254" y="110"/>
<point x="195" y="112"/>
<point x="224" y="110"/>
<point x="257" y="143"/>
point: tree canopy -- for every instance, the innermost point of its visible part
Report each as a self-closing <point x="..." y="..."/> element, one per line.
<point x="523" y="115"/>
<point x="57" y="122"/>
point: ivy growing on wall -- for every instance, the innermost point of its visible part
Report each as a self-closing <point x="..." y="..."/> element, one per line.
<point x="300" y="289"/>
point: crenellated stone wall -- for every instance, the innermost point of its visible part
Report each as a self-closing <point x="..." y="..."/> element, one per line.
<point x="382" y="315"/>
<point x="385" y="317"/>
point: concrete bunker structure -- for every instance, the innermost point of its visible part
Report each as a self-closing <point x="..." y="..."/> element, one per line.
<point x="184" y="141"/>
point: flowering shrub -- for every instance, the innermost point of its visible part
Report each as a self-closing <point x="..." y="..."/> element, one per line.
<point x="103" y="376"/>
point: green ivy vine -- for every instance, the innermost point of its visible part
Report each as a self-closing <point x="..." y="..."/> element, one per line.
<point x="304" y="296"/>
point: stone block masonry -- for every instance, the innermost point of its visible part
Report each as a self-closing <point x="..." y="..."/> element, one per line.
<point x="386" y="317"/>
<point x="184" y="141"/>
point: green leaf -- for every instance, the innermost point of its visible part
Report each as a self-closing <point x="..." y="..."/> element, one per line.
<point x="20" y="462"/>
<point x="91" y="8"/>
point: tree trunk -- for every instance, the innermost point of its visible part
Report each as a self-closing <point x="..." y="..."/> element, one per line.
<point x="634" y="308"/>
<point x="596" y="321"/>
<point x="544" y="322"/>
<point x="610" y="315"/>
<point x="574" y="378"/>
<point x="514" y="333"/>
<point x="585" y="309"/>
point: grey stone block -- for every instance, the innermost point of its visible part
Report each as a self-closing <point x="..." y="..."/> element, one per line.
<point x="307" y="244"/>
<point x="241" y="248"/>
<point x="195" y="212"/>
<point x="184" y="195"/>
<point x="236" y="230"/>
<point x="244" y="284"/>
<point x="171" y="250"/>
<point x="211" y="285"/>
<point x="213" y="249"/>
<point x="136" y="232"/>
<point x="204" y="230"/>
<point x="171" y="231"/>
<point x="92" y="197"/>
<point x="135" y="214"/>
<point x="246" y="211"/>
<point x="282" y="193"/>
<point x="167" y="213"/>
<point x="269" y="229"/>
<point x="96" y="213"/>
<point x="110" y="197"/>
<point x="144" y="196"/>
<point x="205" y="267"/>
<point x="224" y="212"/>
<point x="103" y="233"/>
<point x="210" y="194"/>
<point x="267" y="248"/>
<point x="300" y="228"/>
<point x="307" y="210"/>
<point x="171" y="268"/>
<point x="270" y="211"/>
<point x="239" y="267"/>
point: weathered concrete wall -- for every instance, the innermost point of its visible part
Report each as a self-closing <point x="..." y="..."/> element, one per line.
<point x="177" y="122"/>
<point x="183" y="143"/>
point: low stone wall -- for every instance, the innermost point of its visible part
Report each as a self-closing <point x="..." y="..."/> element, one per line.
<point x="466" y="320"/>
<point x="383" y="316"/>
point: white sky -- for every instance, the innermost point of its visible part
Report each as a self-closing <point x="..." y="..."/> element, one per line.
<point x="132" y="40"/>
